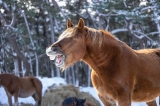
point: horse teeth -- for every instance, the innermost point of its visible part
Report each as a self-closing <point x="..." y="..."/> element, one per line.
<point x="52" y="57"/>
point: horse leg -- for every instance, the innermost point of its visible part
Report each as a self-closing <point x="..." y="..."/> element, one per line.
<point x="34" y="96"/>
<point x="37" y="98"/>
<point x="9" y="98"/>
<point x="159" y="100"/>
<point x="38" y="92"/>
<point x="152" y="103"/>
<point x="123" y="98"/>
<point x="16" y="98"/>
<point x="107" y="101"/>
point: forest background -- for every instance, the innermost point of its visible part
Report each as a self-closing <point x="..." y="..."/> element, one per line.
<point x="28" y="27"/>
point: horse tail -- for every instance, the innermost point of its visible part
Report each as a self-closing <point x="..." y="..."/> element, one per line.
<point x="38" y="90"/>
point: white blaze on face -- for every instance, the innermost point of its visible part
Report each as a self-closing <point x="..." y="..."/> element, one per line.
<point x="53" y="54"/>
<point x="48" y="50"/>
<point x="63" y="35"/>
<point x="50" y="54"/>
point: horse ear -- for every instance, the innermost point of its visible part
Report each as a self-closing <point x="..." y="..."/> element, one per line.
<point x="81" y="24"/>
<point x="83" y="100"/>
<point x="75" y="102"/>
<point x="69" y="23"/>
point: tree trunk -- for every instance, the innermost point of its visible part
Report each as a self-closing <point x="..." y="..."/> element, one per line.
<point x="13" y="43"/>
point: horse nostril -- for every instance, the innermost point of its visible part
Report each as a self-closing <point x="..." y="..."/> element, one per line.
<point x="54" y="48"/>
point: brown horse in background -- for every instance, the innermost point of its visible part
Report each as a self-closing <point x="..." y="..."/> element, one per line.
<point x="119" y="73"/>
<point x="21" y="87"/>
<point x="73" y="101"/>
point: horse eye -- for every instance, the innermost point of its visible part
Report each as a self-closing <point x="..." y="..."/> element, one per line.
<point x="86" y="30"/>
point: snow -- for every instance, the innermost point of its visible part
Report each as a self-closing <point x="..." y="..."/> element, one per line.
<point x="46" y="82"/>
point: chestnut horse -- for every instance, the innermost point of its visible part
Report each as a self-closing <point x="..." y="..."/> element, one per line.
<point x="21" y="87"/>
<point x="73" y="101"/>
<point x="119" y="73"/>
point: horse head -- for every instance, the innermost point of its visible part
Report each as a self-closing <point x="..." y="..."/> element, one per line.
<point x="73" y="101"/>
<point x="0" y="82"/>
<point x="70" y="47"/>
<point x="1" y="79"/>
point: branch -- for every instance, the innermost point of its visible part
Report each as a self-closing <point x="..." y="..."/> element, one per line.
<point x="12" y="22"/>
<point x="56" y="23"/>
<point x="95" y="1"/>
<point x="108" y="20"/>
<point x="11" y="27"/>
<point x="13" y="19"/>
<point x="152" y="33"/>
<point x="1" y="45"/>
<point x="146" y="8"/>
<point x="91" y="17"/>
<point x="5" y="6"/>
<point x="142" y="35"/>
<point x="29" y="32"/>
<point x="106" y="15"/>
<point x="139" y="37"/>
<point x="124" y="2"/>
<point x="119" y="30"/>
<point x="56" y="6"/>
<point x="84" y="17"/>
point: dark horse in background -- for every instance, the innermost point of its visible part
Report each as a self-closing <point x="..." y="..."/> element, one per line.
<point x="21" y="87"/>
<point x="73" y="101"/>
<point x="119" y="73"/>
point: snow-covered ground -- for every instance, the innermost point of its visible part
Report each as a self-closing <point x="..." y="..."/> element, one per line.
<point x="56" y="80"/>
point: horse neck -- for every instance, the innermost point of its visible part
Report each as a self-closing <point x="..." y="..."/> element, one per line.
<point x="100" y="54"/>
<point x="6" y="79"/>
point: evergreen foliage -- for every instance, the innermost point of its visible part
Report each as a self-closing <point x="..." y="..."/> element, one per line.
<point x="28" y="27"/>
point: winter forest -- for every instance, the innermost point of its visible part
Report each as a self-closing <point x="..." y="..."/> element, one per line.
<point x="28" y="27"/>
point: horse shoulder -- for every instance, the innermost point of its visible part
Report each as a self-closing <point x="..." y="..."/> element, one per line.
<point x="12" y="84"/>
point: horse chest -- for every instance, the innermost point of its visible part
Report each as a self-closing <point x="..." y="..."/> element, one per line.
<point x="10" y="92"/>
<point x="103" y="90"/>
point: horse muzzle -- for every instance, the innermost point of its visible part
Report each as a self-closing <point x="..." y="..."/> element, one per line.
<point x="55" y="54"/>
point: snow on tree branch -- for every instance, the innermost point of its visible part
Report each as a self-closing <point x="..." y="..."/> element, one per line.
<point x="119" y="30"/>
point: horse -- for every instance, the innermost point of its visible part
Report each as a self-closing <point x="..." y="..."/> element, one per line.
<point x="21" y="87"/>
<point x="120" y="74"/>
<point x="73" y="101"/>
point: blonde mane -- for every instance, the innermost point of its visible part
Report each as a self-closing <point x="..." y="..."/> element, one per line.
<point x="97" y="36"/>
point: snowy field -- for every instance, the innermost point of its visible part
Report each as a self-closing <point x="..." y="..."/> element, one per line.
<point x="50" y="81"/>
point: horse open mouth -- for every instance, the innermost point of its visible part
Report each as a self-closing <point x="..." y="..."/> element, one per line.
<point x="59" y="60"/>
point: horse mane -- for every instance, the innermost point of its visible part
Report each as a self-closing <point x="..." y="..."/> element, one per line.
<point x="97" y="36"/>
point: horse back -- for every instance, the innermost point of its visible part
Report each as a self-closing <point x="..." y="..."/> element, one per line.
<point x="30" y="82"/>
<point x="149" y="51"/>
<point x="147" y="71"/>
<point x="149" y="59"/>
